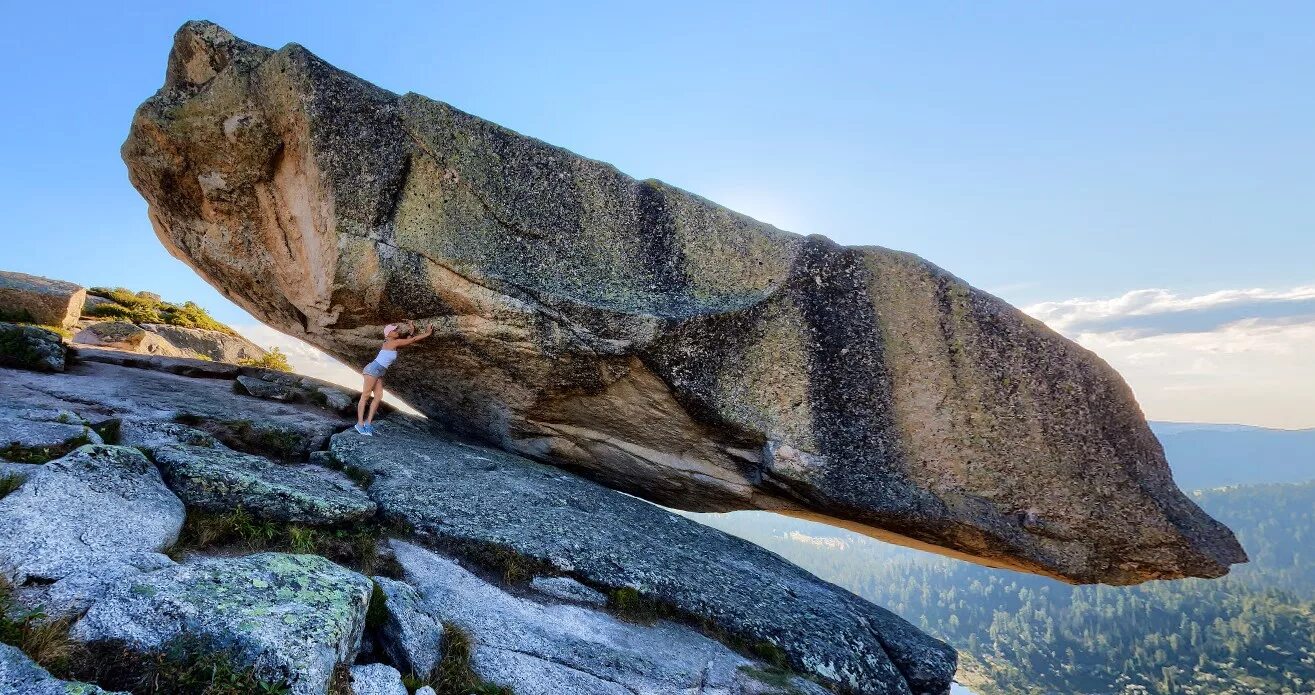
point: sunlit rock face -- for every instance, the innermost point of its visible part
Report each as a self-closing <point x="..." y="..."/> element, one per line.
<point x="647" y="337"/>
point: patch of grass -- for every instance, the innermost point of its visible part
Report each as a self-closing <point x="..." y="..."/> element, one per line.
<point x="188" y="666"/>
<point x="356" y="547"/>
<point x="634" y="607"/>
<point x="247" y="436"/>
<point x="376" y="613"/>
<point x="41" y="454"/>
<point x="9" y="483"/>
<point x="45" y="641"/>
<point x="454" y="675"/>
<point x="109" y="430"/>
<point x="273" y="359"/>
<point x="501" y="561"/>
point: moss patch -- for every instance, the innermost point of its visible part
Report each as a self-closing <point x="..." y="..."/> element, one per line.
<point x="502" y="562"/>
<point x="41" y="454"/>
<point x="9" y="483"/>
<point x="238" y="531"/>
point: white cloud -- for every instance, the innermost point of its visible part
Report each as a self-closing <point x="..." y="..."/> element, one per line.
<point x="1158" y="310"/>
<point x="1236" y="356"/>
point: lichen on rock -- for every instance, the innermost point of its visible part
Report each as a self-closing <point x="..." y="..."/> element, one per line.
<point x="293" y="618"/>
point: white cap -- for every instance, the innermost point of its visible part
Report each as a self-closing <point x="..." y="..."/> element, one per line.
<point x="389" y="329"/>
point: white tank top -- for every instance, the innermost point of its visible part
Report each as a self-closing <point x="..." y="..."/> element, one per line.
<point x="386" y="357"/>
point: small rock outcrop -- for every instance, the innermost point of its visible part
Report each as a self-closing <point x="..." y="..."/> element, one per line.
<point x="294" y="617"/>
<point x="218" y="479"/>
<point x="122" y="335"/>
<point x="647" y="337"/>
<point x="216" y="345"/>
<point x="87" y="508"/>
<point x="31" y="347"/>
<point x="41" y="300"/>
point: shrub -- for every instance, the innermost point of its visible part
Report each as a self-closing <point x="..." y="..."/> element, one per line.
<point x="146" y="307"/>
<point x="274" y="359"/>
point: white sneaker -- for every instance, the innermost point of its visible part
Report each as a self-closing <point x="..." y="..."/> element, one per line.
<point x="364" y="429"/>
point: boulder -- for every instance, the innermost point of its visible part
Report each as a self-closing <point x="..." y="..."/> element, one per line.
<point x="217" y="345"/>
<point x="122" y="335"/>
<point x="218" y="479"/>
<point x="294" y="618"/>
<point x="90" y="507"/>
<point x="37" y="435"/>
<point x="647" y="337"/>
<point x="273" y="391"/>
<point x="19" y="675"/>
<point x="461" y="496"/>
<point x="409" y="635"/>
<point x="538" y="649"/>
<point x="30" y="347"/>
<point x="40" y="300"/>
<point x="377" y="679"/>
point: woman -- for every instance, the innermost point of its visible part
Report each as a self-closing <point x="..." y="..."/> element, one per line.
<point x="395" y="336"/>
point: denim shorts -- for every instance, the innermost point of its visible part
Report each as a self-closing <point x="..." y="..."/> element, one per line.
<point x="375" y="370"/>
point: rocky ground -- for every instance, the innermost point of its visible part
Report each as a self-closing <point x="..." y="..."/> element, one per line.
<point x="166" y="517"/>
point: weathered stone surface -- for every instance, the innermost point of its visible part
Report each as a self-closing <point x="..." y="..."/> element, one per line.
<point x="146" y="400"/>
<point x="260" y="388"/>
<point x="122" y="335"/>
<point x="453" y="493"/>
<point x="377" y="679"/>
<point x="217" y="345"/>
<point x="218" y="479"/>
<point x="45" y="301"/>
<point x="87" y="508"/>
<point x="567" y="589"/>
<point x="30" y="347"/>
<point x="538" y="649"/>
<point x="294" y="618"/>
<point x="660" y="343"/>
<point x="410" y="636"/>
<point x="30" y="431"/>
<point x="149" y="435"/>
<point x="20" y="676"/>
<point x="21" y="471"/>
<point x="72" y="595"/>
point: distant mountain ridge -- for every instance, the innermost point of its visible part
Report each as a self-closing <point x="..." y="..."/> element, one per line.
<point x="1205" y="456"/>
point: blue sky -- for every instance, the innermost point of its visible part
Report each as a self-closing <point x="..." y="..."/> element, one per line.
<point x="1048" y="152"/>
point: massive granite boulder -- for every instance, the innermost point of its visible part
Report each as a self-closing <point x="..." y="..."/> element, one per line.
<point x="647" y="337"/>
<point x="40" y="300"/>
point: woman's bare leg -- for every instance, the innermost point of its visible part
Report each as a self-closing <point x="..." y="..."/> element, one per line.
<point x="365" y="394"/>
<point x="374" y="404"/>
